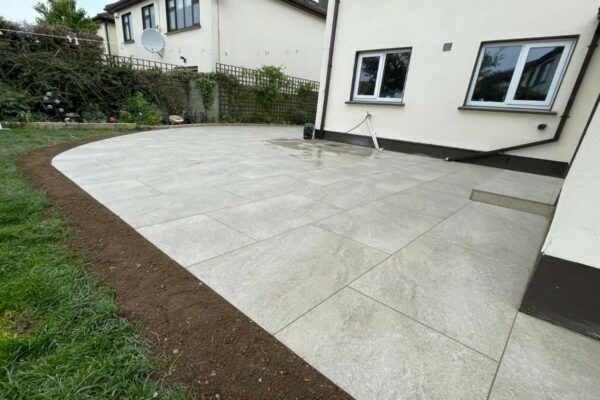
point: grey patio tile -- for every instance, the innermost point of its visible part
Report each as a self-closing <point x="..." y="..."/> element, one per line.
<point x="542" y="189"/>
<point x="279" y="279"/>
<point x="533" y="223"/>
<point x="194" y="239"/>
<point x="345" y="194"/>
<point x="392" y="181"/>
<point x="265" y="218"/>
<point x="458" y="185"/>
<point x="119" y="190"/>
<point x="466" y="295"/>
<point x="176" y="182"/>
<point x="263" y="188"/>
<point x="425" y="171"/>
<point x="543" y="361"/>
<point x="428" y="202"/>
<point x="380" y="225"/>
<point x="150" y="210"/>
<point x="325" y="176"/>
<point x="516" y="242"/>
<point x="374" y="352"/>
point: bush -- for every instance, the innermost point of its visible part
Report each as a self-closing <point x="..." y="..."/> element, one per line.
<point x="206" y="85"/>
<point x="140" y="111"/>
<point x="13" y="103"/>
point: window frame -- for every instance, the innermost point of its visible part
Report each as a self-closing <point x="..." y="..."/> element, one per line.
<point x="382" y="54"/>
<point x="173" y="10"/>
<point x="151" y="17"/>
<point x="127" y="28"/>
<point x="510" y="103"/>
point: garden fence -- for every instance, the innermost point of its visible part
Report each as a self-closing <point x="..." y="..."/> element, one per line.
<point x="138" y="63"/>
<point x="242" y="93"/>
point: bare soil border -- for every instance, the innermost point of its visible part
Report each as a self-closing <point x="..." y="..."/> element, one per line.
<point x="195" y="337"/>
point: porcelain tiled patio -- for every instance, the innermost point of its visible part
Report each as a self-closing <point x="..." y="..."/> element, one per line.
<point x="376" y="268"/>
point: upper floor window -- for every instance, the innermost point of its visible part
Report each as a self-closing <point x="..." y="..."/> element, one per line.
<point x="126" y="20"/>
<point x="182" y="14"/>
<point x="519" y="74"/>
<point x="381" y="76"/>
<point x="148" y="16"/>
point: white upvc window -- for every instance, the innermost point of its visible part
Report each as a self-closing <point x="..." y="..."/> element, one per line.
<point x="519" y="74"/>
<point x="380" y="76"/>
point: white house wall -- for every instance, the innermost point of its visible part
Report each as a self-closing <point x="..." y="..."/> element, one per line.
<point x="196" y="45"/>
<point x="271" y="32"/>
<point x="575" y="231"/>
<point x="437" y="81"/>
<point x="250" y="33"/>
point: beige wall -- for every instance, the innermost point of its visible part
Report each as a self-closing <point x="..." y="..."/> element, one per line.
<point x="250" y="33"/>
<point x="437" y="81"/>
<point x="575" y="231"/>
<point x="112" y="37"/>
<point x="270" y="32"/>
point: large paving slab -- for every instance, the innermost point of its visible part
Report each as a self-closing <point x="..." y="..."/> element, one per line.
<point x="376" y="267"/>
<point x="375" y="353"/>
<point x="544" y="361"/>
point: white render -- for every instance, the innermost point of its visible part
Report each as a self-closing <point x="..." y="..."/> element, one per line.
<point x="238" y="32"/>
<point x="437" y="81"/>
<point x="575" y="231"/>
<point x="111" y="29"/>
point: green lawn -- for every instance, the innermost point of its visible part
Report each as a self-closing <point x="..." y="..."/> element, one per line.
<point x="60" y="335"/>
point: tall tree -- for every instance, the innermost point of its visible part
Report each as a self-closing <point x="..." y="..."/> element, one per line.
<point x="65" y="13"/>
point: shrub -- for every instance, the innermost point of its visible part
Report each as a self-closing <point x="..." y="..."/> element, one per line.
<point x="13" y="102"/>
<point x="139" y="110"/>
<point x="206" y="84"/>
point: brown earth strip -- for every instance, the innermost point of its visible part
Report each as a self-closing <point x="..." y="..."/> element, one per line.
<point x="220" y="353"/>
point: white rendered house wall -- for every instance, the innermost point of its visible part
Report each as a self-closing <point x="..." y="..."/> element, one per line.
<point x="575" y="231"/>
<point x="437" y="81"/>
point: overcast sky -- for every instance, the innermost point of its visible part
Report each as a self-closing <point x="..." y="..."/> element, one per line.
<point x="22" y="10"/>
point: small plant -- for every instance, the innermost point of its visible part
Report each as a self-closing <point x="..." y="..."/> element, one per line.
<point x="93" y="114"/>
<point x="25" y="116"/>
<point x="140" y="111"/>
<point x="13" y="103"/>
<point x="270" y="83"/>
<point x="206" y="84"/>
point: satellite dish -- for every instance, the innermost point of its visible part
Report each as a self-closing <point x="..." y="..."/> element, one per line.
<point x="153" y="41"/>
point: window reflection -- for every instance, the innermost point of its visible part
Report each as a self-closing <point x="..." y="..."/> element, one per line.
<point x="538" y="73"/>
<point x="394" y="75"/>
<point x="368" y="76"/>
<point x="496" y="72"/>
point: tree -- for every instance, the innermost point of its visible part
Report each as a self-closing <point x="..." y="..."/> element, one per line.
<point x="65" y="13"/>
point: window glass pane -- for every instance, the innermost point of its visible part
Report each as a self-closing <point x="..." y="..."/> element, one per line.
<point x="188" y="13"/>
<point x="151" y="17"/>
<point x="172" y="20"/>
<point x="180" y="19"/>
<point x="394" y="75"/>
<point x="538" y="73"/>
<point x="368" y="76"/>
<point x="196" y="10"/>
<point x="496" y="72"/>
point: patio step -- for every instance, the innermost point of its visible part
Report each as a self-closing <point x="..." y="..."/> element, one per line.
<point x="520" y="191"/>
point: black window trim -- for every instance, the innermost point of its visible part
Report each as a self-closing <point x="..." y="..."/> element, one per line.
<point x="127" y="28"/>
<point x="352" y="100"/>
<point x="173" y="9"/>
<point x="151" y="17"/>
<point x="521" y="110"/>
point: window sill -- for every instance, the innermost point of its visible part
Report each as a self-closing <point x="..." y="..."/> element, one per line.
<point x="509" y="110"/>
<point x="377" y="103"/>
<point x="189" y="28"/>
<point x="129" y="41"/>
